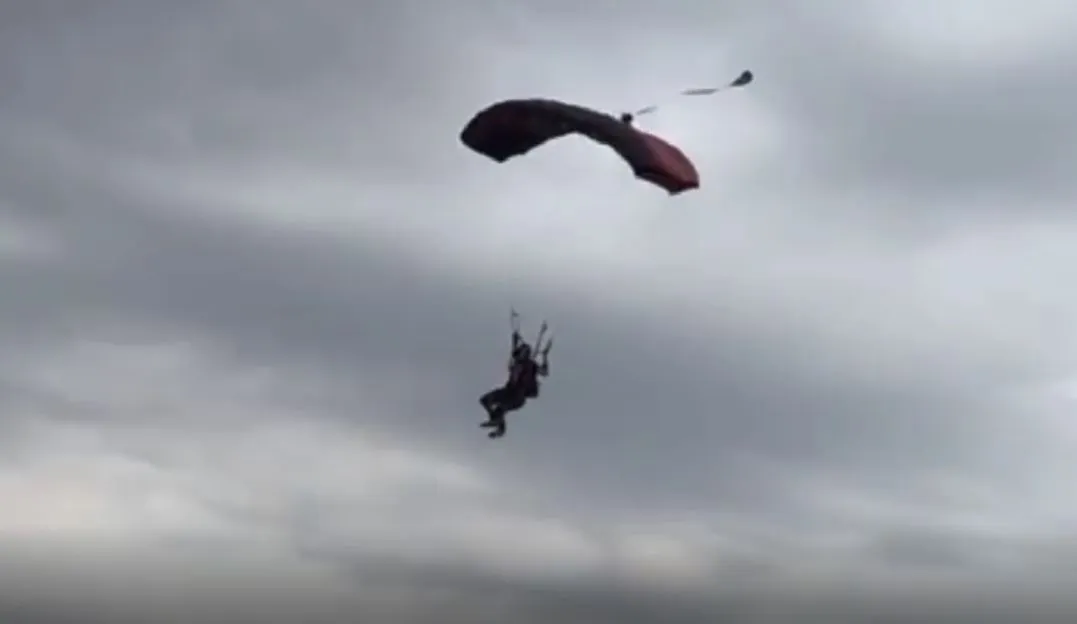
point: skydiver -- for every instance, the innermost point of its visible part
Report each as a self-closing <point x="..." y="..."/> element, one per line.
<point x="522" y="384"/>
<point x="627" y="118"/>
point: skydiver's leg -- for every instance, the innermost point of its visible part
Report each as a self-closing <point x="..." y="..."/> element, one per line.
<point x="497" y="422"/>
<point x="491" y="402"/>
<point x="512" y="400"/>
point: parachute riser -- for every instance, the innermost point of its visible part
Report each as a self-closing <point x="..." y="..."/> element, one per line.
<point x="539" y="348"/>
<point x="743" y="79"/>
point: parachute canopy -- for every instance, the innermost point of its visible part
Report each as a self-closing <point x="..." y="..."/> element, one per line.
<point x="514" y="127"/>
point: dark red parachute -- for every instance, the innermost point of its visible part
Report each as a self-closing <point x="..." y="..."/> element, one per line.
<point x="515" y="127"/>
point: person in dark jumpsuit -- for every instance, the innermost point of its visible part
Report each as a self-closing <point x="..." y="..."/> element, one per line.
<point x="522" y="384"/>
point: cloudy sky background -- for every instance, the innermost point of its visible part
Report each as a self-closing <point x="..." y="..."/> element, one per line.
<point x="254" y="286"/>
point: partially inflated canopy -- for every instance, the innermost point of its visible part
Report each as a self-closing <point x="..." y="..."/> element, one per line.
<point x="515" y="127"/>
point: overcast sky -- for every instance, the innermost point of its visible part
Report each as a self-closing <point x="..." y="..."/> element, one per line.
<point x="253" y="286"/>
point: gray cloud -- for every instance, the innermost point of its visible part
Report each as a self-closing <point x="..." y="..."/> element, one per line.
<point x="254" y="287"/>
<point x="934" y="129"/>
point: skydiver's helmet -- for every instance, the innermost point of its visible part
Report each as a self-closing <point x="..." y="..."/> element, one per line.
<point x="522" y="352"/>
<point x="627" y="118"/>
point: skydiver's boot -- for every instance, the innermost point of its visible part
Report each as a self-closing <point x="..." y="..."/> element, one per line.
<point x="491" y="419"/>
<point x="497" y="421"/>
